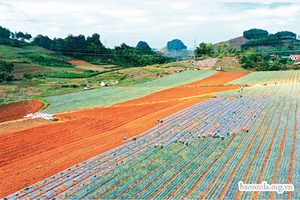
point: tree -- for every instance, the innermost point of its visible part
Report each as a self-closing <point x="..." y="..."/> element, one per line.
<point x="255" y="34"/>
<point x="21" y="36"/>
<point x="5" y="69"/>
<point x="251" y="60"/>
<point x="285" y="35"/>
<point x="221" y="48"/>
<point x="43" y="41"/>
<point x="4" y="33"/>
<point x="204" y="49"/>
<point x="175" y="45"/>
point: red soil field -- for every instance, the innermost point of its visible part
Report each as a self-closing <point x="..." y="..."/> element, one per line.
<point x="19" y="110"/>
<point x="78" y="62"/>
<point x="219" y="78"/>
<point x="28" y="156"/>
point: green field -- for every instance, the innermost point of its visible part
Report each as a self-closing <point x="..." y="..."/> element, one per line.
<point x="112" y="95"/>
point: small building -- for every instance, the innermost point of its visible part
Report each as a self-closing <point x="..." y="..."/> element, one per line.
<point x="273" y="56"/>
<point x="295" y="57"/>
<point x="103" y="84"/>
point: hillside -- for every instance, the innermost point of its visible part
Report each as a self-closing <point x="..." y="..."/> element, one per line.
<point x="33" y="59"/>
<point x="234" y="43"/>
<point x="227" y="63"/>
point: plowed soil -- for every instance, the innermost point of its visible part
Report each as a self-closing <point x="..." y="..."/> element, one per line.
<point x="219" y="78"/>
<point x="19" y="110"/>
<point x="28" y="156"/>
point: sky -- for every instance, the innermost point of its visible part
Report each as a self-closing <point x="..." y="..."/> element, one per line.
<point x="153" y="21"/>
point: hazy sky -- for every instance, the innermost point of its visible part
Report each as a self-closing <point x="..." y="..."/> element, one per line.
<point x="153" y="21"/>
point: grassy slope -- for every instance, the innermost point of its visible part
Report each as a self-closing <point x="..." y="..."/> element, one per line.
<point x="23" y="64"/>
<point x="230" y="64"/>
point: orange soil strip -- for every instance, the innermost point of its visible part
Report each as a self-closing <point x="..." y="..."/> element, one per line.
<point x="39" y="152"/>
<point x="255" y="195"/>
<point x="78" y="62"/>
<point x="219" y="78"/>
<point x="85" y="65"/>
<point x="31" y="155"/>
<point x="21" y="124"/>
<point x="19" y="110"/>
<point x="272" y="195"/>
<point x="238" y="195"/>
<point x="293" y="150"/>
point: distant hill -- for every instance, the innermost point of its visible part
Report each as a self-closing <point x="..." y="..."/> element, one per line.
<point x="234" y="43"/>
<point x="184" y="53"/>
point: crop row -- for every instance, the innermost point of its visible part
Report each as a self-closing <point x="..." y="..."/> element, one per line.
<point x="269" y="77"/>
<point x="263" y="91"/>
<point x="171" y="161"/>
<point x="185" y="126"/>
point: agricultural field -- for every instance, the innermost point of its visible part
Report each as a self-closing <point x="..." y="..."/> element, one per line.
<point x="193" y="141"/>
<point x="112" y="95"/>
<point x="269" y="77"/>
<point x="19" y="110"/>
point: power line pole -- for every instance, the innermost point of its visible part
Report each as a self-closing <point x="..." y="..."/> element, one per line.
<point x="195" y="47"/>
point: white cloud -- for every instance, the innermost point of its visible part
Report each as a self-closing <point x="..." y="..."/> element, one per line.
<point x="153" y="21"/>
<point x="179" y="5"/>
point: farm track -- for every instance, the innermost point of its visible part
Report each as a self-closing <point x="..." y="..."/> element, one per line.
<point x="84" y="134"/>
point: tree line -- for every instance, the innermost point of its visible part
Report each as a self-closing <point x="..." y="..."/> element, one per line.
<point x="88" y="48"/>
<point x="260" y="37"/>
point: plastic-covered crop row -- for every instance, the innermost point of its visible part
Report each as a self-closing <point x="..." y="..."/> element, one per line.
<point x="183" y="126"/>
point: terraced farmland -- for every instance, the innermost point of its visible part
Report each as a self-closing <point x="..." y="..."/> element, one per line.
<point x="201" y="151"/>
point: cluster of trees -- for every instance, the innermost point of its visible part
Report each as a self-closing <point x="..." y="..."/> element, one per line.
<point x="260" y="37"/>
<point x="87" y="48"/>
<point x="15" y="39"/>
<point x="92" y="50"/>
<point x="261" y="62"/>
<point x="207" y="49"/>
<point x="204" y="49"/>
<point x="129" y="56"/>
<point x="260" y="33"/>
<point x="77" y="46"/>
<point x="5" y="70"/>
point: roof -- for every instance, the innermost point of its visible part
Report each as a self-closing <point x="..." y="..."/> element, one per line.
<point x="295" y="57"/>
